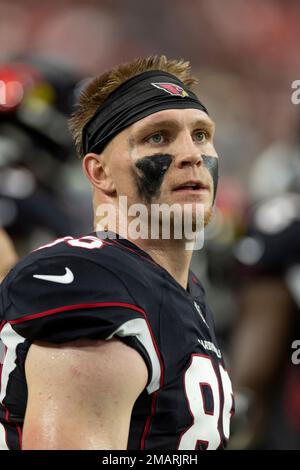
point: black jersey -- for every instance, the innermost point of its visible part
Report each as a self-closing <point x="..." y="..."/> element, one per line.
<point x="101" y="289"/>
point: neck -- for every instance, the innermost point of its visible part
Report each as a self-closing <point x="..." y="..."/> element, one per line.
<point x="172" y="255"/>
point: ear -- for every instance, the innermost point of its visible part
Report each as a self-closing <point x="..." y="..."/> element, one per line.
<point x="97" y="173"/>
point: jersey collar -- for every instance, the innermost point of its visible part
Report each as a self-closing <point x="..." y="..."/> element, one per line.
<point x="194" y="286"/>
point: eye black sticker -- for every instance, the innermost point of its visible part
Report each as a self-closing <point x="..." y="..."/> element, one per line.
<point x="212" y="164"/>
<point x="151" y="171"/>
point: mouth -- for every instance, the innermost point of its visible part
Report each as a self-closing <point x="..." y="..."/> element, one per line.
<point x="194" y="186"/>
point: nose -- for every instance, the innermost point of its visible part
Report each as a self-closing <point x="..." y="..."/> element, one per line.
<point x="187" y="152"/>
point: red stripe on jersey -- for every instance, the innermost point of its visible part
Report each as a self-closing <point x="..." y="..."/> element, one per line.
<point x="147" y="425"/>
<point x="7" y="419"/>
<point x="74" y="307"/>
<point x="2" y="324"/>
<point x="162" y="375"/>
<point x="19" y="435"/>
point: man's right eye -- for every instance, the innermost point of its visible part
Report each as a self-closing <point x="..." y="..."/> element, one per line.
<point x="155" y="138"/>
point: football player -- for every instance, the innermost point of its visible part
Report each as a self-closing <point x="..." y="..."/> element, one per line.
<point x="110" y="343"/>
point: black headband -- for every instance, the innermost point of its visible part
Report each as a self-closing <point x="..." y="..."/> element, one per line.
<point x="135" y="99"/>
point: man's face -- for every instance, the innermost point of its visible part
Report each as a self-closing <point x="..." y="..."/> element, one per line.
<point x="159" y="159"/>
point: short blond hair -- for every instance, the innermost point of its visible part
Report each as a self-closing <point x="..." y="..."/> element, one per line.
<point x="100" y="87"/>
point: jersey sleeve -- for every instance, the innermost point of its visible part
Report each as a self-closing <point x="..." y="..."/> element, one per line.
<point x="64" y="298"/>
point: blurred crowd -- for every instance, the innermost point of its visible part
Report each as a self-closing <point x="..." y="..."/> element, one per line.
<point x="246" y="57"/>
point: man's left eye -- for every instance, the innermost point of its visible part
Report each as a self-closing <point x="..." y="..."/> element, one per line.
<point x="199" y="136"/>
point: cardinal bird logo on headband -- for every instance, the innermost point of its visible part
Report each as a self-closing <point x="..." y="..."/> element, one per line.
<point x="171" y="88"/>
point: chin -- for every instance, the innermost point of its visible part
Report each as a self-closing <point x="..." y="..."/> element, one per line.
<point x="199" y="222"/>
<point x="193" y="219"/>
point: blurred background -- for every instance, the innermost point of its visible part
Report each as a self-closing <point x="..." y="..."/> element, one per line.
<point x="246" y="56"/>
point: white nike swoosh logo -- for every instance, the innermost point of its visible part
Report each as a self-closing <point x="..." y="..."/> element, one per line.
<point x="66" y="278"/>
